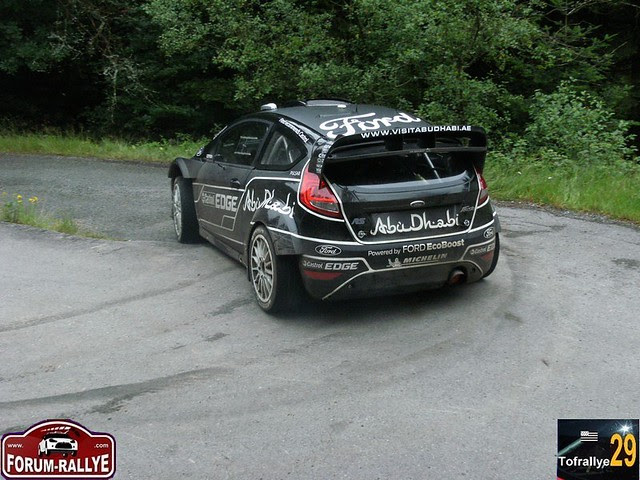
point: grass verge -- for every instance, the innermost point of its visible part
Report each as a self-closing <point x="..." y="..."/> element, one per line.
<point x="593" y="189"/>
<point x="26" y="212"/>
<point x="111" y="149"/>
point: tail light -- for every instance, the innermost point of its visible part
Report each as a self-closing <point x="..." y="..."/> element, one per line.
<point x="484" y="190"/>
<point x="321" y="275"/>
<point x="487" y="257"/>
<point x="316" y="195"/>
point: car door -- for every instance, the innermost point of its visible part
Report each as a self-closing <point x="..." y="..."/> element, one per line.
<point x="222" y="179"/>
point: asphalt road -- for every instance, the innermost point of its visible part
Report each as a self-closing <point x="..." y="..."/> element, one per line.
<point x="163" y="346"/>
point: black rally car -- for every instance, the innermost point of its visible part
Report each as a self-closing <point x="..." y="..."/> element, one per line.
<point x="340" y="199"/>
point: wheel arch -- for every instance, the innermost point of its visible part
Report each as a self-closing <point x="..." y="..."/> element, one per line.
<point x="284" y="244"/>
<point x="184" y="167"/>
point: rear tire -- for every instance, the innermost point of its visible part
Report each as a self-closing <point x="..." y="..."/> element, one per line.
<point x="183" y="211"/>
<point x="496" y="254"/>
<point x="275" y="278"/>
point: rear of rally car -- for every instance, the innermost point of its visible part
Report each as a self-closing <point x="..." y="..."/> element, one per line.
<point x="415" y="207"/>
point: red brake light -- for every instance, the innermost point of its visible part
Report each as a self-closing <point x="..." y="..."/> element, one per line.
<point x="316" y="195"/>
<point x="487" y="257"/>
<point x="321" y="275"/>
<point x="484" y="189"/>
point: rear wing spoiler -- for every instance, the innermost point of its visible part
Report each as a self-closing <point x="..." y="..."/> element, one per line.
<point x="465" y="141"/>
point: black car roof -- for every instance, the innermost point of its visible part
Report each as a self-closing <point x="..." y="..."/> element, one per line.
<point x="314" y="113"/>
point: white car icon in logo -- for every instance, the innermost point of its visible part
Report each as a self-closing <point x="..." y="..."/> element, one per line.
<point x="57" y="443"/>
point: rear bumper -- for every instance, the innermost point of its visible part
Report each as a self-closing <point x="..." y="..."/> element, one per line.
<point x="401" y="280"/>
<point x="348" y="270"/>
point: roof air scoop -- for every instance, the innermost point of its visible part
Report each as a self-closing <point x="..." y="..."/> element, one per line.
<point x="328" y="102"/>
<point x="268" y="106"/>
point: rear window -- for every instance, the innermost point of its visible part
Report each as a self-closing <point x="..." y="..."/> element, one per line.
<point x="401" y="168"/>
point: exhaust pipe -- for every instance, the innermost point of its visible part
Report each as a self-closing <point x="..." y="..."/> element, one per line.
<point x="457" y="276"/>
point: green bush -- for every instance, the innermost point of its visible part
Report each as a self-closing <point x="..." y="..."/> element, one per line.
<point x="572" y="127"/>
<point x="456" y="98"/>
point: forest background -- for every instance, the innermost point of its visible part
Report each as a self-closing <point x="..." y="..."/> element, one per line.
<point x="556" y="83"/>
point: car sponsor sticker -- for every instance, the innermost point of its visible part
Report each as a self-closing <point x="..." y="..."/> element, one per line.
<point x="220" y="200"/>
<point x="417" y="222"/>
<point x="489" y="232"/>
<point x="482" y="250"/>
<point x="295" y="129"/>
<point x="254" y="201"/>
<point x="362" y="123"/>
<point x="417" y="248"/>
<point x="404" y="224"/>
<point x="417" y="260"/>
<point x="58" y="449"/>
<point x="328" y="250"/>
<point x="410" y="130"/>
<point x="332" y="265"/>
<point x="430" y="246"/>
<point x="322" y="147"/>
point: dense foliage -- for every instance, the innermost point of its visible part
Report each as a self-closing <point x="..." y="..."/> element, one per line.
<point x="557" y="79"/>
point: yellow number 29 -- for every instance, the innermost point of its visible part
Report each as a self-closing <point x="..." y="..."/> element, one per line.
<point x="629" y="444"/>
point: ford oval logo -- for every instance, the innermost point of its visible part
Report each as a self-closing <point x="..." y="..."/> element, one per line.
<point x="488" y="233"/>
<point x="416" y="204"/>
<point x="328" y="250"/>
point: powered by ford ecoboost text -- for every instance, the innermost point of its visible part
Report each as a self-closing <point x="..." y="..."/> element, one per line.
<point x="341" y="200"/>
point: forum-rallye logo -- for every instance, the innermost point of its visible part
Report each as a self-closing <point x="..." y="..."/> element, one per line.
<point x="58" y="449"/>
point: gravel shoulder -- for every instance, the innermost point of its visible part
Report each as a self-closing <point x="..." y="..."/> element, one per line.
<point x="122" y="200"/>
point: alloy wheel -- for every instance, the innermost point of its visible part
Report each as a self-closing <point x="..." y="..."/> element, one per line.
<point x="176" y="209"/>
<point x="262" y="268"/>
